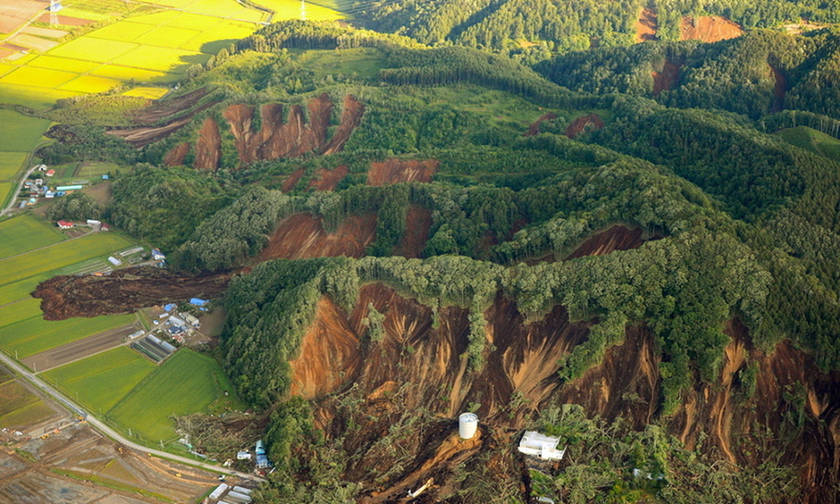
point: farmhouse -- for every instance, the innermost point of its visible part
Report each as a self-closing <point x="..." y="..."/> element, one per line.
<point x="539" y="445"/>
<point x="50" y="173"/>
<point x="63" y="224"/>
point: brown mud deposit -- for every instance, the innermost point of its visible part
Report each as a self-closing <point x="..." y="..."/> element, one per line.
<point x="303" y="235"/>
<point x="418" y="221"/>
<point x="122" y="291"/>
<point x="534" y="128"/>
<point x="590" y="122"/>
<point x="327" y="180"/>
<point x="176" y="156"/>
<point x="208" y="148"/>
<point x="617" y="237"/>
<point x="175" y="113"/>
<point x="393" y="171"/>
<point x="647" y="25"/>
<point x="417" y="369"/>
<point x="667" y="79"/>
<point x="294" y="136"/>
<point x="708" y="28"/>
<point x="292" y="180"/>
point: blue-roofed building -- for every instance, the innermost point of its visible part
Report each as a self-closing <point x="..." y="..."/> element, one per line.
<point x="198" y="302"/>
<point x="169" y="307"/>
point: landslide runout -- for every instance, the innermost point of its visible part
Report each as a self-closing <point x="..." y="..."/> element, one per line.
<point x="122" y="291"/>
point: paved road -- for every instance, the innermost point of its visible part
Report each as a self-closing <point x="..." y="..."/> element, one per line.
<point x="14" y="194"/>
<point x="111" y="433"/>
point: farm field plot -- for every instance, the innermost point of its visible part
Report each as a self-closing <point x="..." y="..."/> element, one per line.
<point x="95" y="169"/>
<point x="93" y="49"/>
<point x="90" y="84"/>
<point x="79" y="349"/>
<point x="38" y="77"/>
<point x="65" y="64"/>
<point x="10" y="164"/>
<point x="23" y="233"/>
<point x="25" y="135"/>
<point x="18" y="310"/>
<point x="186" y="383"/>
<point x="34" y="97"/>
<point x="147" y="92"/>
<point x="125" y="73"/>
<point x="5" y="188"/>
<point x="100" y="381"/>
<point x="162" y="58"/>
<point x="61" y="255"/>
<point x="21" y="289"/>
<point x="35" y="335"/>
<point x="290" y="9"/>
<point x="13" y="396"/>
<point x="28" y="415"/>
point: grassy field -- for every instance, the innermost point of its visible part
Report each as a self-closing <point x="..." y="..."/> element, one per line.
<point x="34" y="335"/>
<point x="23" y="233"/>
<point x="100" y="381"/>
<point x="60" y="255"/>
<point x="18" y="310"/>
<point x="21" y="289"/>
<point x="25" y="134"/>
<point x="812" y="140"/>
<point x="187" y="382"/>
<point x="10" y="164"/>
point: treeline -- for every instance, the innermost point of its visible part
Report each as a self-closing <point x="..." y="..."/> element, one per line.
<point x="756" y="74"/>
<point x="164" y="206"/>
<point x="451" y="65"/>
<point x="535" y="30"/>
<point x="297" y="34"/>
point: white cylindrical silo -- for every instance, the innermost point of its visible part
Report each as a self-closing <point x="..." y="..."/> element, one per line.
<point x="467" y="425"/>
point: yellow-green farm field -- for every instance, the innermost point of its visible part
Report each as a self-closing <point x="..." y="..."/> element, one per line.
<point x="65" y="64"/>
<point x="34" y="335"/>
<point x="5" y="188"/>
<point x="100" y="381"/>
<point x="60" y="255"/>
<point x="187" y="382"/>
<point x="34" y="97"/>
<point x="24" y="232"/>
<point x="27" y="416"/>
<point x="37" y="77"/>
<point x="10" y="164"/>
<point x="12" y="292"/>
<point x="13" y="395"/>
<point x="93" y="49"/>
<point x="91" y="84"/>
<point x="162" y="58"/>
<point x="147" y="92"/>
<point x="18" y="310"/>
<point x="25" y="135"/>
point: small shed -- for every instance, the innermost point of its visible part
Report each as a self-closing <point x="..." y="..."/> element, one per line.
<point x="243" y="455"/>
<point x="63" y="224"/>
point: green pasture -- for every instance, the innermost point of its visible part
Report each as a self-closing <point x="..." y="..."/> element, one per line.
<point x="25" y="232"/>
<point x="60" y="255"/>
<point x="35" y="334"/>
<point x="12" y="292"/>
<point x="362" y="61"/>
<point x="812" y="140"/>
<point x="188" y="382"/>
<point x="18" y="310"/>
<point x="95" y="169"/>
<point x="10" y="164"/>
<point x="26" y="133"/>
<point x="100" y="381"/>
<point x="5" y="189"/>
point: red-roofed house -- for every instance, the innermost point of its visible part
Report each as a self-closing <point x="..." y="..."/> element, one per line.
<point x="63" y="224"/>
<point x="50" y="173"/>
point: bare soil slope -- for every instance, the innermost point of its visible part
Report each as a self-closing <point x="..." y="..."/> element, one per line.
<point x="303" y="235"/>
<point x="708" y="28"/>
<point x="393" y="171"/>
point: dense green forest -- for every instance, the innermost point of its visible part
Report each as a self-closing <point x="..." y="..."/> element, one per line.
<point x="734" y="189"/>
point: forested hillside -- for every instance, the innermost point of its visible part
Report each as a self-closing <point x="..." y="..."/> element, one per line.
<point x="632" y="248"/>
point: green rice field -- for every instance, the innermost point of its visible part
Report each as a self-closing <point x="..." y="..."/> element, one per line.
<point x="25" y="135"/>
<point x="188" y="382"/>
<point x="10" y="164"/>
<point x="100" y="381"/>
<point x="60" y="255"/>
<point x="34" y="335"/>
<point x="24" y="233"/>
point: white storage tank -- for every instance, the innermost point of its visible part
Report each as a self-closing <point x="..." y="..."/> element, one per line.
<point x="467" y="425"/>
